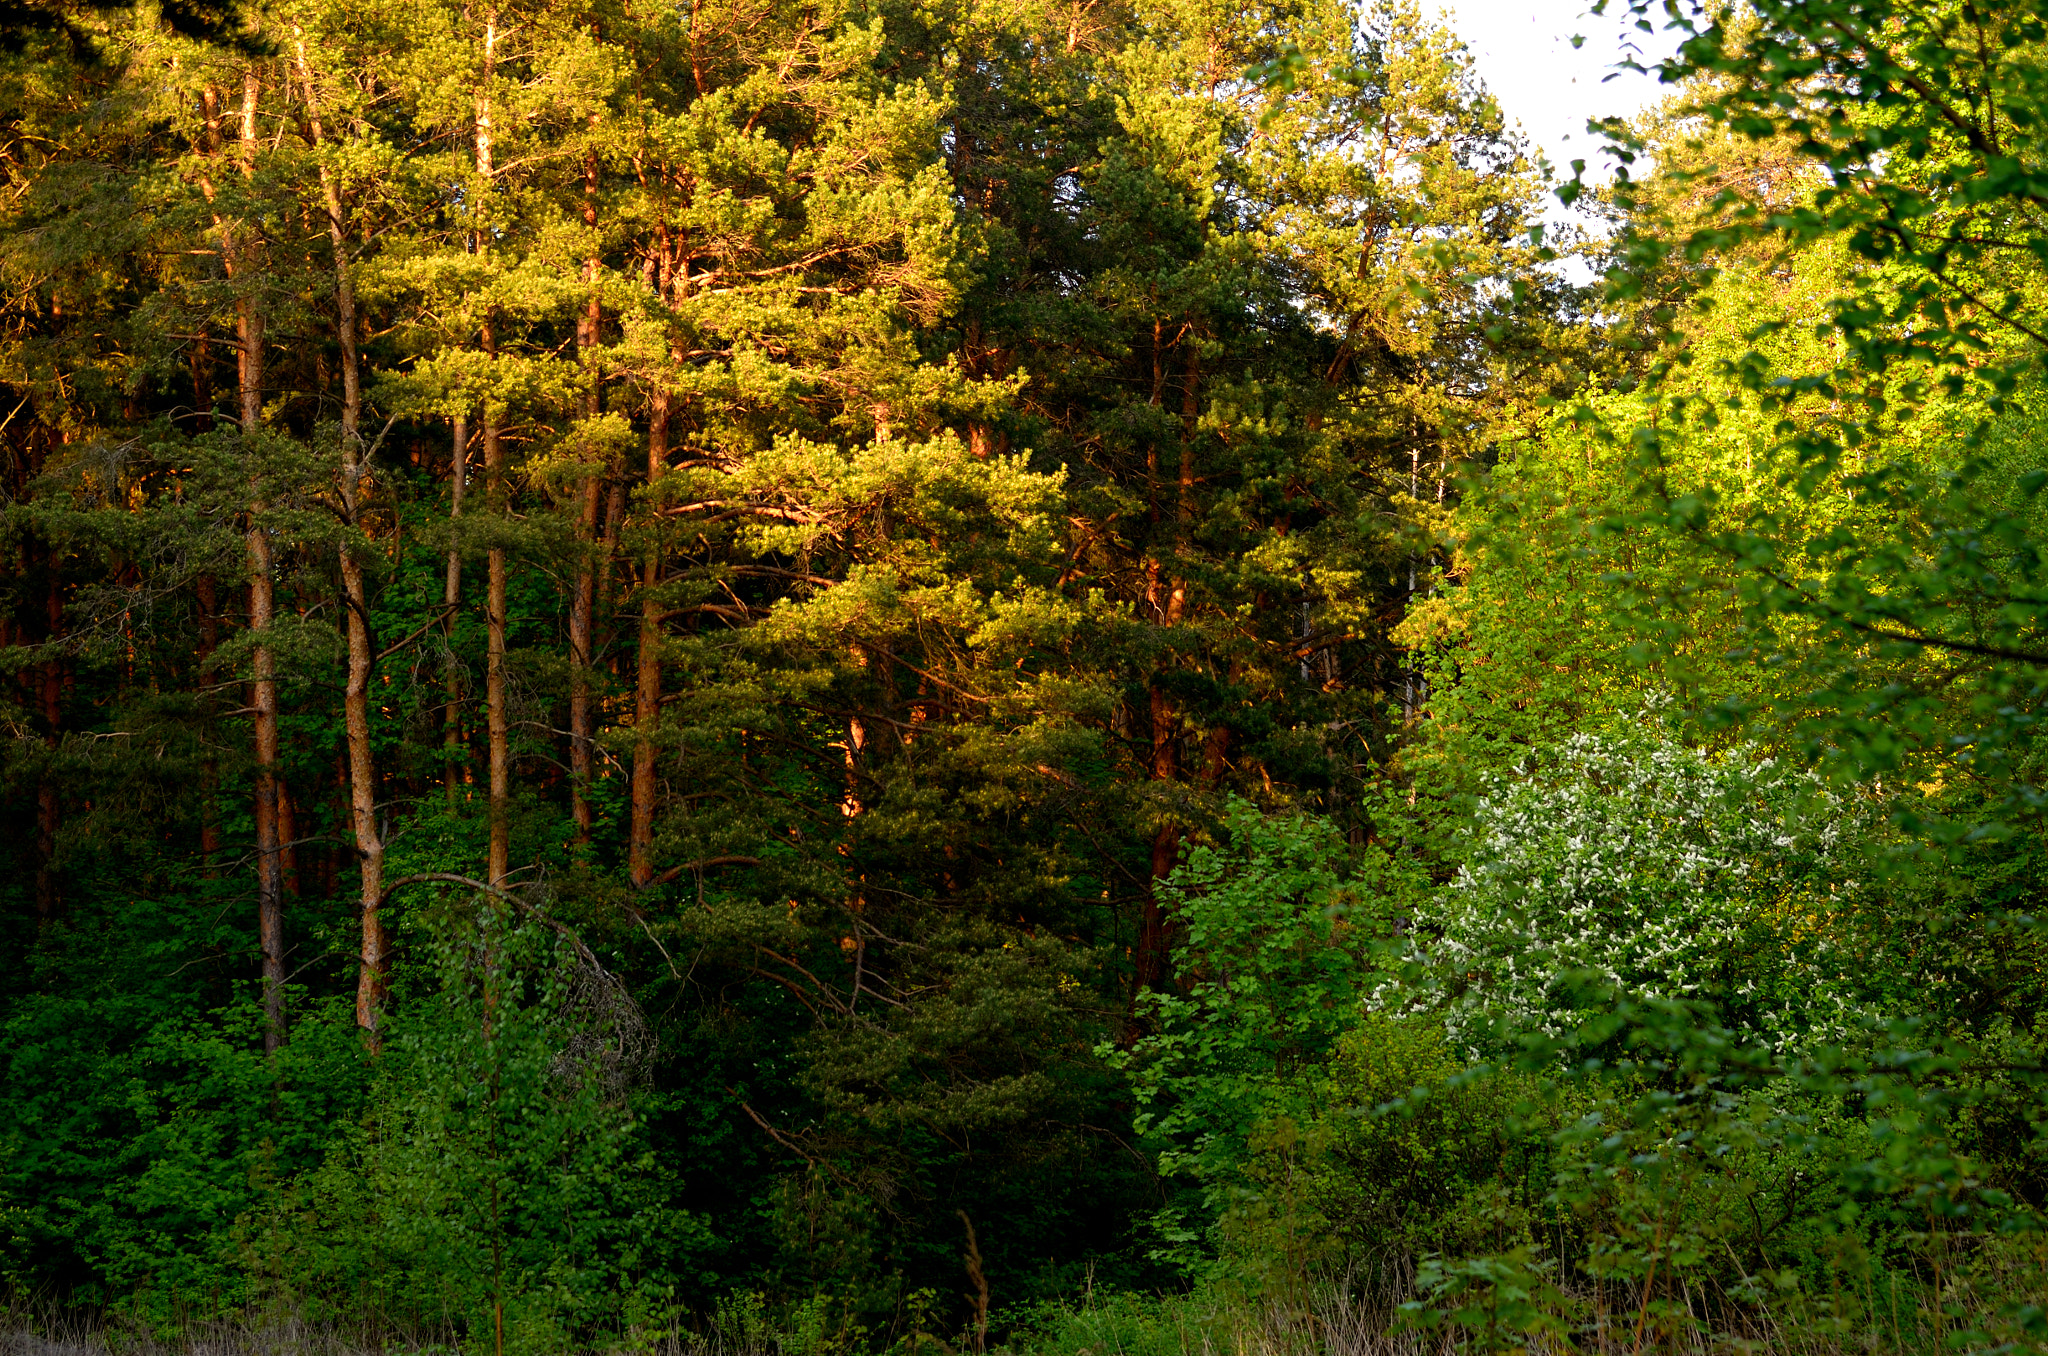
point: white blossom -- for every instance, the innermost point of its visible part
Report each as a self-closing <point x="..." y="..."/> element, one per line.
<point x="1659" y="870"/>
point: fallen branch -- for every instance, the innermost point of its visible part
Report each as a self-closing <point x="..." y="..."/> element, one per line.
<point x="699" y="865"/>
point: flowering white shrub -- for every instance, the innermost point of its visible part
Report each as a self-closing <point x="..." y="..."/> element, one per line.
<point x="1636" y="865"/>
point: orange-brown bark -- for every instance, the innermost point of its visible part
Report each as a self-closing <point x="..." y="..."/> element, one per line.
<point x="373" y="976"/>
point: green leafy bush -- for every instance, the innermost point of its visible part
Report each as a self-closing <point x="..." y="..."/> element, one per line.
<point x="495" y="1187"/>
<point x="1422" y="1154"/>
<point x="1275" y="965"/>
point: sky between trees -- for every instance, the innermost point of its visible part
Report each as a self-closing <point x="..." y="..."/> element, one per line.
<point x="1525" y="55"/>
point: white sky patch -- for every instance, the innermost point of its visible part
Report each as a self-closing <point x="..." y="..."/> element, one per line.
<point x="1525" y="55"/>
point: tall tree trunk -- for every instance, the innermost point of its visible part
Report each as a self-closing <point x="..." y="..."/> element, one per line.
<point x="647" y="674"/>
<point x="202" y="378"/>
<point x="206" y="591"/>
<point x="583" y="604"/>
<point x="241" y="259"/>
<point x="373" y="979"/>
<point x="498" y="724"/>
<point x="287" y="838"/>
<point x="49" y="803"/>
<point x="263" y="718"/>
<point x="451" y="597"/>
<point x="647" y="663"/>
<point x="498" y="720"/>
<point x="49" y="817"/>
<point x="1155" y="942"/>
<point x="1150" y="956"/>
<point x="208" y="594"/>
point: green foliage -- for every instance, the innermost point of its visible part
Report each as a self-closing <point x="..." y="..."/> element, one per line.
<point x="1275" y="966"/>
<point x="201" y="1131"/>
<point x="1903" y="631"/>
<point x="1142" y="1325"/>
<point x="1073" y="666"/>
<point x="1424" y="1156"/>
<point x="496" y="1183"/>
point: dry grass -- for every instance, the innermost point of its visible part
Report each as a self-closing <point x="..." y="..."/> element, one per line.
<point x="1349" y="1316"/>
<point x="51" y="1331"/>
<point x="1918" y="1315"/>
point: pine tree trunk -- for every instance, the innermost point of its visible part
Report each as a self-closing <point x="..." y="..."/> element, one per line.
<point x="498" y="726"/>
<point x="583" y="604"/>
<point x="1155" y="940"/>
<point x="287" y="839"/>
<point x="498" y="732"/>
<point x="647" y="663"/>
<point x="49" y="817"/>
<point x="208" y="595"/>
<point x="451" y="598"/>
<point x="263" y="719"/>
<point x="373" y="979"/>
<point x="1150" y="958"/>
<point x="49" y="802"/>
<point x="202" y="382"/>
<point x="647" y="676"/>
<point x="206" y="592"/>
<point x="240" y="259"/>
